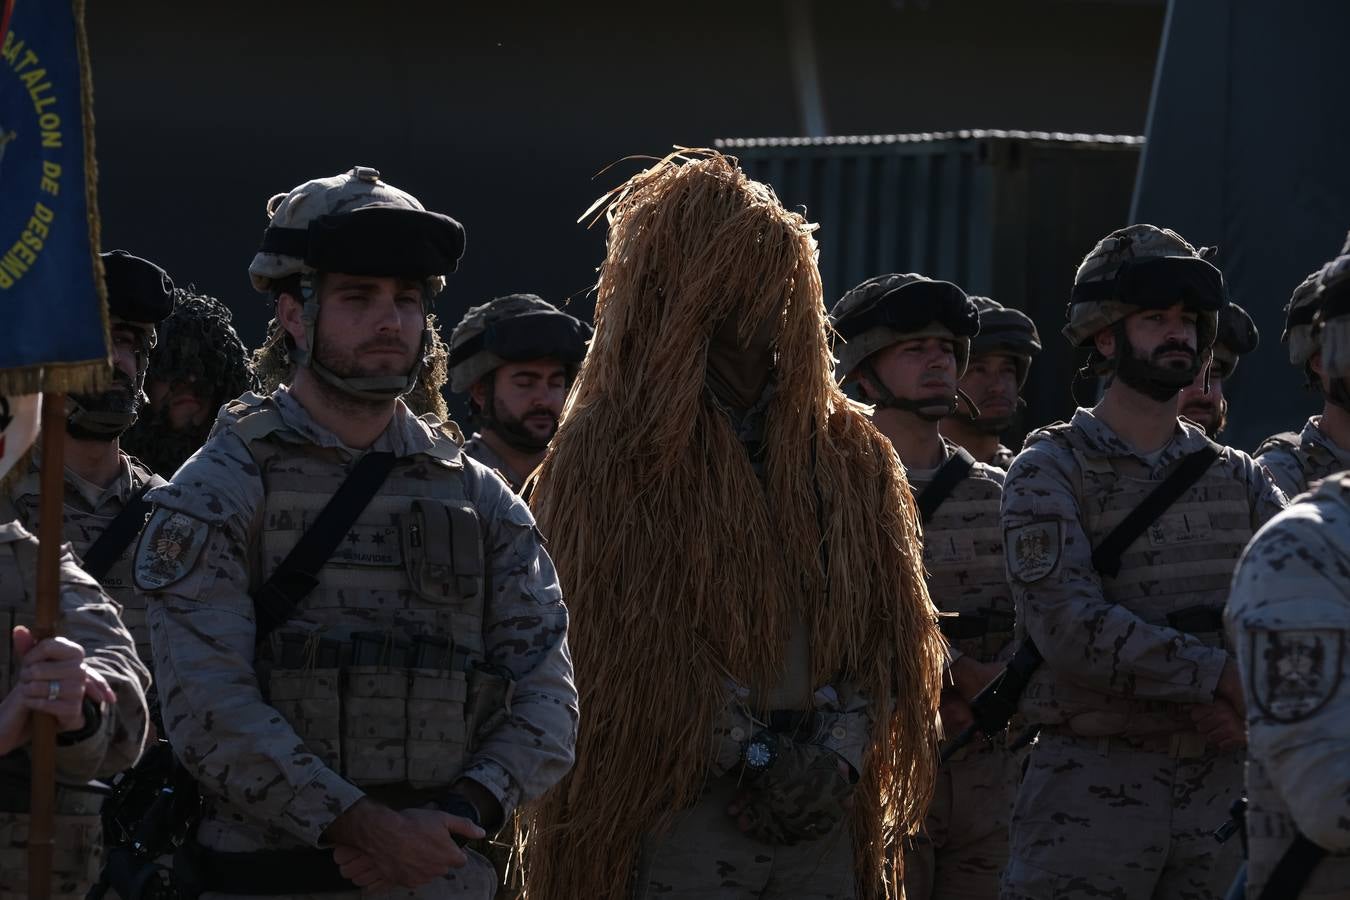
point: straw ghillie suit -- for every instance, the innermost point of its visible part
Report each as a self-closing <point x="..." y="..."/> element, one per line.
<point x="683" y="572"/>
<point x="274" y="367"/>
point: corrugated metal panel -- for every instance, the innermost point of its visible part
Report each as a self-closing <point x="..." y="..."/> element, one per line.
<point x="1003" y="213"/>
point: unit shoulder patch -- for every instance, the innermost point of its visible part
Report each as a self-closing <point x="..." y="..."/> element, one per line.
<point x="1033" y="549"/>
<point x="168" y="549"/>
<point x="1294" y="671"/>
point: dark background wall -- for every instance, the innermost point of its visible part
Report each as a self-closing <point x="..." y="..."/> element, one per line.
<point x="503" y="114"/>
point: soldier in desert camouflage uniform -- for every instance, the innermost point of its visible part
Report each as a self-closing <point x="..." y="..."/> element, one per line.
<point x="1000" y="360"/>
<point x="1138" y="701"/>
<point x="418" y="688"/>
<point x="906" y="342"/>
<point x="1289" y="616"/>
<point x="89" y="677"/>
<point x="515" y="357"/>
<point x="102" y="481"/>
<point x="1203" y="401"/>
<point x="1323" y="446"/>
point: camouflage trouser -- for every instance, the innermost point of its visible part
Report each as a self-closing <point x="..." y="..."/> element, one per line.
<point x="77" y="855"/>
<point x="964" y="844"/>
<point x="1100" y="818"/>
<point x="705" y="856"/>
<point x="476" y="881"/>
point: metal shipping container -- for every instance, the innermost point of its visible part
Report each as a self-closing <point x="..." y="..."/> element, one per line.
<point x="1007" y="214"/>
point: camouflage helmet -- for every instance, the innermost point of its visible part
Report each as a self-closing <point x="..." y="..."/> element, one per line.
<point x="356" y="224"/>
<point x="513" y="328"/>
<point x="1299" y="313"/>
<point x="1237" y="337"/>
<point x="1006" y="330"/>
<point x="1332" y="325"/>
<point x="303" y="219"/>
<point x="1143" y="267"/>
<point x="887" y="309"/>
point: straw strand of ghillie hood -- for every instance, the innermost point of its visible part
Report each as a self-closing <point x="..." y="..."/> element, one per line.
<point x="683" y="572"/>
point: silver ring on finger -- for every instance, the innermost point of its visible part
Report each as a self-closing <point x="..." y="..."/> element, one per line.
<point x="53" y="689"/>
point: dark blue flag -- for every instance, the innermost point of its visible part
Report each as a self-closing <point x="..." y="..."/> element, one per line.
<point x="53" y="332"/>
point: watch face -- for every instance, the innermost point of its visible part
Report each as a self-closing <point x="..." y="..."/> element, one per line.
<point x="758" y="755"/>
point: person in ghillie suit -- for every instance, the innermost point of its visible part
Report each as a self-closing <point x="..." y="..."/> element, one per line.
<point x="197" y="365"/>
<point x="757" y="655"/>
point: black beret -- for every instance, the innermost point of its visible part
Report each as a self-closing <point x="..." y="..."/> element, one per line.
<point x="138" y="290"/>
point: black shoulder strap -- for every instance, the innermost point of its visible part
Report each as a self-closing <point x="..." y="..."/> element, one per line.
<point x="1106" y="556"/>
<point x="297" y="574"/>
<point x="945" y="480"/>
<point x="119" y="534"/>
<point x="1292" y="872"/>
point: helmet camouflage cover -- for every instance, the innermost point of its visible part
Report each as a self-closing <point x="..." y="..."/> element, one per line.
<point x="1237" y="337"/>
<point x="1298" y="334"/>
<point x="1006" y="330"/>
<point x="887" y="309"/>
<point x="479" y="344"/>
<point x="1119" y="277"/>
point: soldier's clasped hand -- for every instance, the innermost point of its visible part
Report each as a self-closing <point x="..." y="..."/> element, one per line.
<point x="53" y="679"/>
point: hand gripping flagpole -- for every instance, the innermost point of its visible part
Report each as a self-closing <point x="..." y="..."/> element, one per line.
<point x="42" y="808"/>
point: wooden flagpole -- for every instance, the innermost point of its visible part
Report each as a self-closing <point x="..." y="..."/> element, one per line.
<point x="42" y="808"/>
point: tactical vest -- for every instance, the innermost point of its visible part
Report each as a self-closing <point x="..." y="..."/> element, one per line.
<point x="82" y="528"/>
<point x="1176" y="575"/>
<point x="77" y="857"/>
<point x="1312" y="460"/>
<point x="381" y="669"/>
<point x="963" y="555"/>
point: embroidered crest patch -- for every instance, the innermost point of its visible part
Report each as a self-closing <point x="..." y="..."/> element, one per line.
<point x="1295" y="671"/>
<point x="169" y="548"/>
<point x="1032" y="550"/>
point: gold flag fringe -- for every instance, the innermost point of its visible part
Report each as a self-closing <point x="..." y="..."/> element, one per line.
<point x="61" y="378"/>
<point x="682" y="573"/>
<point x="92" y="374"/>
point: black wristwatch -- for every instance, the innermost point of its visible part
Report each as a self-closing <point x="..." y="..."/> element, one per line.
<point x="456" y="804"/>
<point x="759" y="753"/>
<point x="93" y="721"/>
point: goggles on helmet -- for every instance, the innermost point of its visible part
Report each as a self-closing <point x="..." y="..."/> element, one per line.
<point x="910" y="307"/>
<point x="376" y="240"/>
<point x="534" y="335"/>
<point x="1159" y="282"/>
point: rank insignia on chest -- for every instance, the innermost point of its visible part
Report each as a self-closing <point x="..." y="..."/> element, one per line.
<point x="1033" y="550"/>
<point x="1295" y="671"/>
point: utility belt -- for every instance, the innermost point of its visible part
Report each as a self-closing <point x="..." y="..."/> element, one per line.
<point x="381" y="711"/>
<point x="982" y="634"/>
<point x="1177" y="744"/>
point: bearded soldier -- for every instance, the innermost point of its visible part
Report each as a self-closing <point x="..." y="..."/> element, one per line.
<point x="274" y="367"/>
<point x="390" y="629"/>
<point x="197" y="364"/>
<point x="1322" y="448"/>
<point x="515" y="357"/>
<point x="1000" y="360"/>
<point x="1122" y="529"/>
<point x="905" y="341"/>
<point x="757" y="650"/>
<point x="1288" y="617"/>
<point x="104" y="509"/>
<point x="1203" y="401"/>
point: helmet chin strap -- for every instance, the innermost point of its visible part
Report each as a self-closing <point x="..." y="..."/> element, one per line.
<point x="370" y="388"/>
<point x="928" y="410"/>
